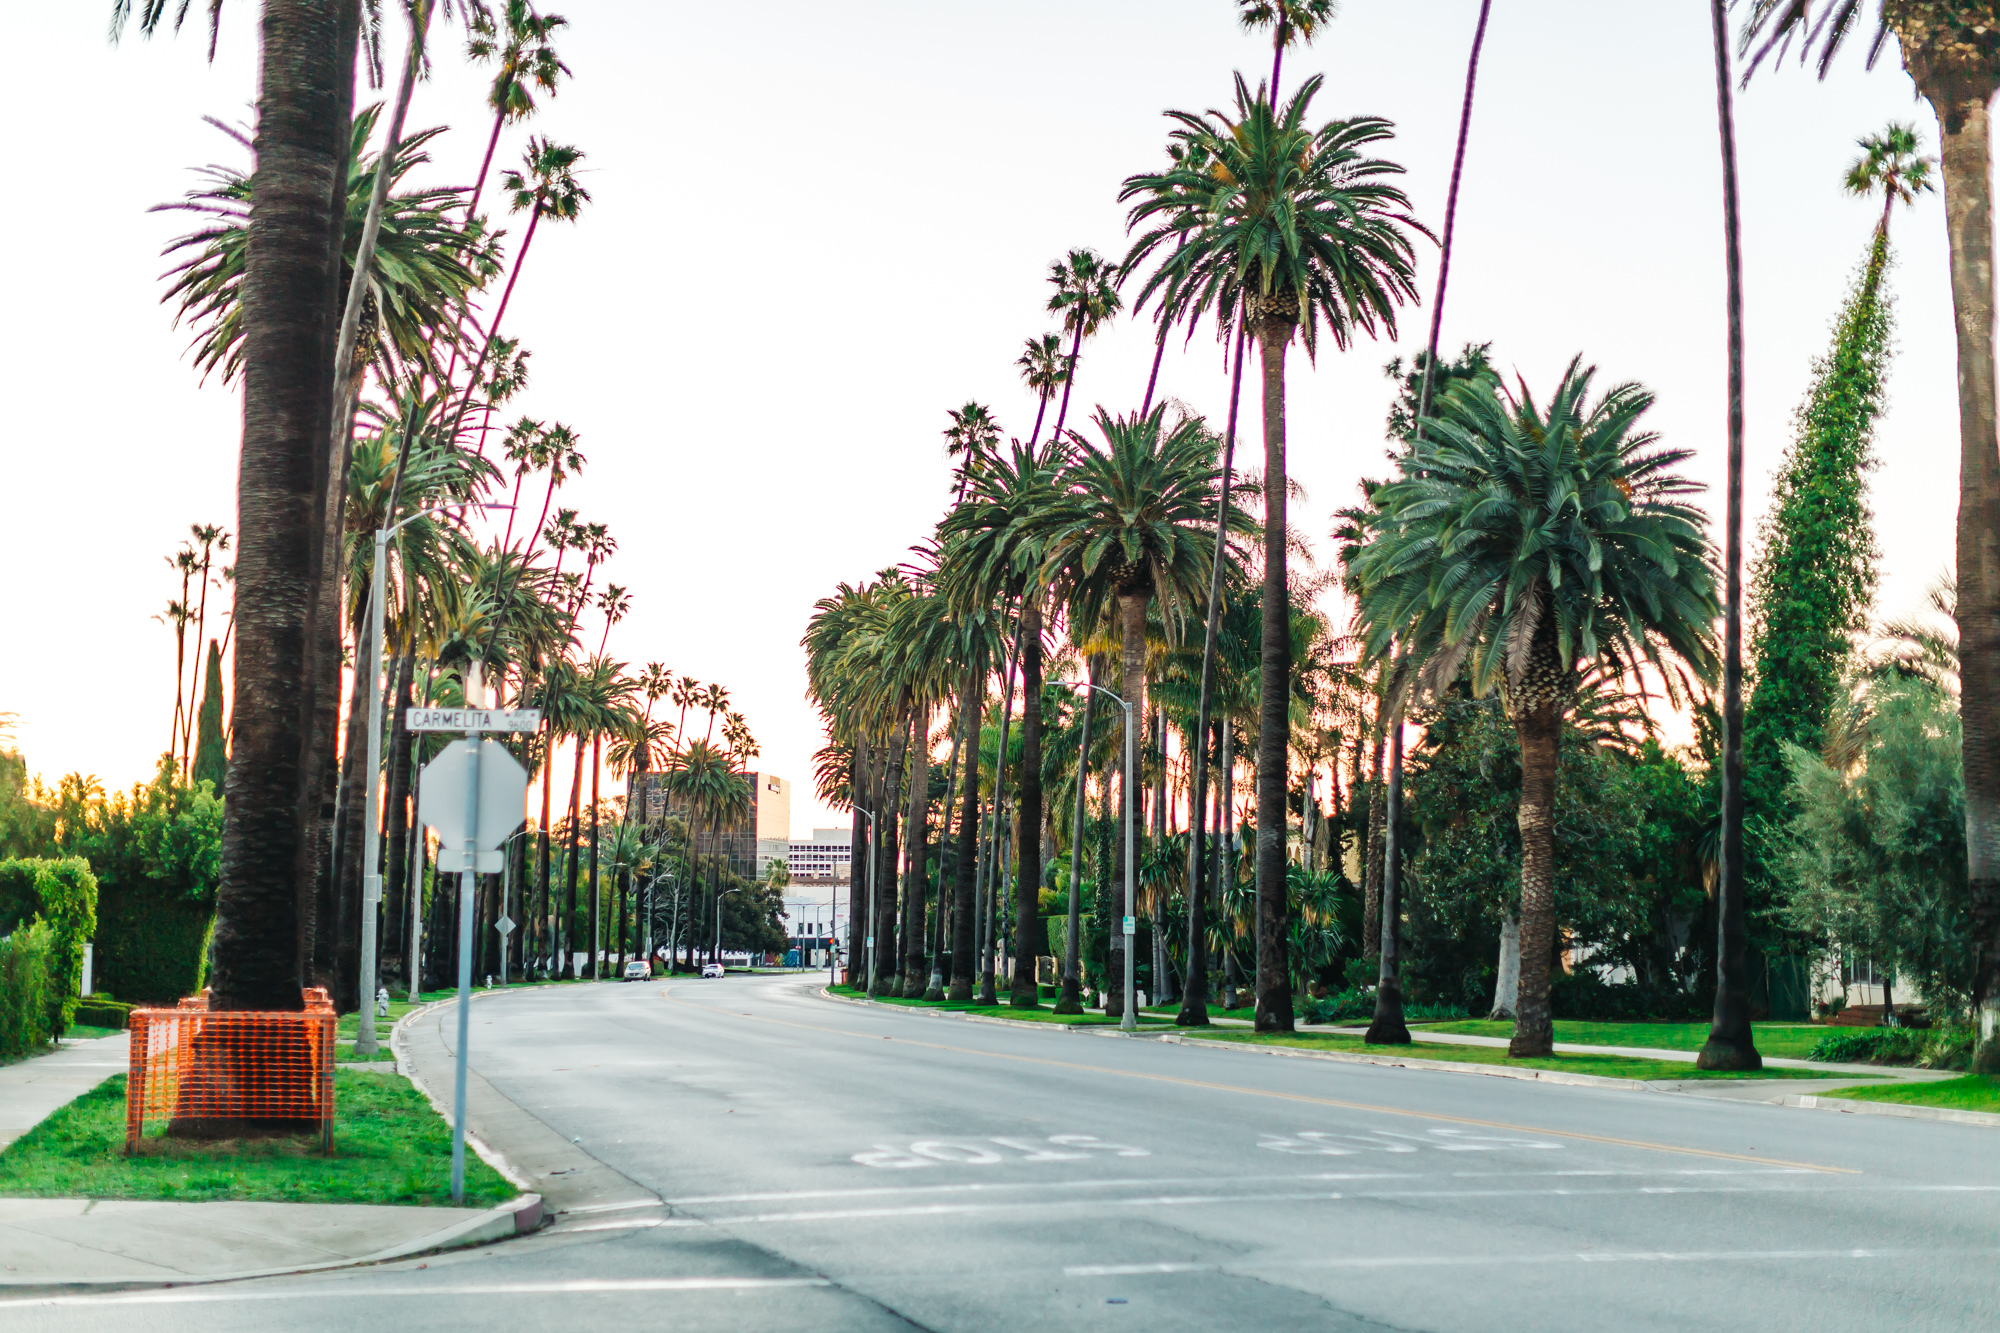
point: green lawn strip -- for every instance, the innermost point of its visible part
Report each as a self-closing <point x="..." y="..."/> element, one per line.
<point x="1040" y="1015"/>
<point x="1787" y="1041"/>
<point x="389" y="1147"/>
<point x="1605" y="1066"/>
<point x="1972" y="1092"/>
<point x="1248" y="1013"/>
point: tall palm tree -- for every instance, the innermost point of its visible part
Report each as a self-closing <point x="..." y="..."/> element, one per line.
<point x="1042" y="370"/>
<point x="1951" y="50"/>
<point x="1525" y="546"/>
<point x="519" y="43"/>
<point x="1086" y="297"/>
<point x="563" y="461"/>
<point x="1294" y="227"/>
<point x="1292" y="22"/>
<point x="615" y="602"/>
<point x="996" y="559"/>
<point x="972" y="432"/>
<point x="1128" y="532"/>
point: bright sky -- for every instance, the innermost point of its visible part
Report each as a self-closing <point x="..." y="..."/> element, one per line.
<point x="816" y="230"/>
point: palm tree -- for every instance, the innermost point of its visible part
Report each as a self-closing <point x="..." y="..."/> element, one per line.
<point x="1129" y="530"/>
<point x="704" y="781"/>
<point x="1292" y="22"/>
<point x="519" y="43"/>
<point x="996" y="559"/>
<point x="1293" y="227"/>
<point x="972" y="432"/>
<point x="1086" y="298"/>
<point x="612" y="716"/>
<point x="1042" y="370"/>
<point x="1952" y="53"/>
<point x="527" y="448"/>
<point x="563" y="460"/>
<point x="1526" y="546"/>
<point x="424" y="261"/>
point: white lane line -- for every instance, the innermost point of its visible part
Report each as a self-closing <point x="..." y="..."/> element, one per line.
<point x="326" y="1291"/>
<point x="1580" y="1257"/>
<point x="1151" y="1182"/>
<point x="982" y="1187"/>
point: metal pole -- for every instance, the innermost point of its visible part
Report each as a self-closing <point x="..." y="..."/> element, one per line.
<point x="466" y="878"/>
<point x="1130" y="924"/>
<point x="371" y="865"/>
<point x="869" y="935"/>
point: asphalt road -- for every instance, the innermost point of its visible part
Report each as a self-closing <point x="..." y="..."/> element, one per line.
<point x="829" y="1166"/>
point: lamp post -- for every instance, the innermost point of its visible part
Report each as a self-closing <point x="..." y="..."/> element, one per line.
<point x="365" y="1046"/>
<point x="1129" y="926"/>
<point x="718" y="919"/>
<point x="869" y="928"/>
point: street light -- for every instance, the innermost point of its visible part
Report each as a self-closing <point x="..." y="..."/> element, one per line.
<point x="1129" y="927"/>
<point x="365" y="1045"/>
<point x="718" y="917"/>
<point x="869" y="927"/>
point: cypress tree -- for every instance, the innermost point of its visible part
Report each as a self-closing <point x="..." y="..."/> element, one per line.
<point x="1814" y="575"/>
<point x="211" y="751"/>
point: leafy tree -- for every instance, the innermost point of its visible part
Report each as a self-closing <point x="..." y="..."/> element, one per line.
<point x="211" y="751"/>
<point x="1875" y="856"/>
<point x="1527" y="546"/>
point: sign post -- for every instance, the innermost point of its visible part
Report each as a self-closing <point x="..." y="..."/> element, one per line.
<point x="474" y="796"/>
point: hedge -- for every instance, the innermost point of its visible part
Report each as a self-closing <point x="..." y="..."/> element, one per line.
<point x="152" y="942"/>
<point x="64" y="895"/>
<point x="99" y="1011"/>
<point x="27" y="991"/>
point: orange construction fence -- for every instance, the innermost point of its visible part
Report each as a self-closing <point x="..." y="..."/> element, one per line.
<point x="223" y="1073"/>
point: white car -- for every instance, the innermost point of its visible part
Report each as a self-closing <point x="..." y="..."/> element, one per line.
<point x="710" y="970"/>
<point x="638" y="970"/>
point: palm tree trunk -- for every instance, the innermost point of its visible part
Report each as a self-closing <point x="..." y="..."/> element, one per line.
<point x="596" y="889"/>
<point x="1069" y="376"/>
<point x="965" y="863"/>
<point x="916" y="840"/>
<point x="485" y="166"/>
<point x="290" y="275"/>
<point x="857" y="865"/>
<point x="566" y="919"/>
<point x="1071" y="1001"/>
<point x="1274" y="990"/>
<point x="1966" y="125"/>
<point x="1388" y="1028"/>
<point x="544" y="931"/>
<point x="991" y="869"/>
<point x="1225" y="856"/>
<point x="1730" y="1044"/>
<point x="1132" y="684"/>
<point x="348" y="862"/>
<point x="1371" y="875"/>
<point x="395" y="905"/>
<point x="1040" y="408"/>
<point x="1539" y="730"/>
<point x="1028" y="942"/>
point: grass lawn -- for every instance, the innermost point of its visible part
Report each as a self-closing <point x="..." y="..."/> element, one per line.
<point x="1788" y="1041"/>
<point x="1248" y="1013"/>
<point x="1607" y="1066"/>
<point x="1044" y="1014"/>
<point x="389" y="1147"/>
<point x="1973" y="1092"/>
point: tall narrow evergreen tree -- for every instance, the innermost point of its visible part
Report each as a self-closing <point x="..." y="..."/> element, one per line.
<point x="1815" y="574"/>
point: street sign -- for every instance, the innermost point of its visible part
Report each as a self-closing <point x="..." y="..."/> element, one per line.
<point x="474" y="719"/>
<point x="503" y="795"/>
<point x="1131" y="924"/>
<point x="505" y="925"/>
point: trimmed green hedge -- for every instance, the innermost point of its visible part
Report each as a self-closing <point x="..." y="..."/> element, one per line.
<point x="63" y="894"/>
<point x="152" y="942"/>
<point x="1928" y="1048"/>
<point x="99" y="1012"/>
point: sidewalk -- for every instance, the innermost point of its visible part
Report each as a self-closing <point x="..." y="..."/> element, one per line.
<point x="50" y="1243"/>
<point x="34" y="1089"/>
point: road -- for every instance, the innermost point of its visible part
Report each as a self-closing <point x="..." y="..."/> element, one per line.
<point x="830" y="1166"/>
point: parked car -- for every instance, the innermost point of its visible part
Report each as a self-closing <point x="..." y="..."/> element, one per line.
<point x="710" y="970"/>
<point x="638" y="970"/>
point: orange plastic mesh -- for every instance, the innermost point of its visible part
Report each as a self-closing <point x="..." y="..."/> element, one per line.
<point x="211" y="1072"/>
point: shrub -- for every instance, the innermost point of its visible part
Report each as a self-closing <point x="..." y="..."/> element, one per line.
<point x="99" y="1011"/>
<point x="1937" y="1048"/>
<point x="1584" y="995"/>
<point x="64" y="895"/>
<point x="27" y="991"/>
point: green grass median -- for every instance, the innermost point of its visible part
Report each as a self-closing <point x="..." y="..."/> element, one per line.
<point x="1044" y="1014"/>
<point x="389" y="1147"/>
<point x="1973" y="1092"/>
<point x="1603" y="1066"/>
<point x="1787" y="1041"/>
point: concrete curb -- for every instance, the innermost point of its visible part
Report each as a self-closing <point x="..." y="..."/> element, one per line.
<point x="509" y="1219"/>
<point x="1084" y="1029"/>
<point x="1849" y="1106"/>
<point x="1399" y="1062"/>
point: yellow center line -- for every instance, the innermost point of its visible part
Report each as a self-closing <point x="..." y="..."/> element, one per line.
<point x="1286" y="1096"/>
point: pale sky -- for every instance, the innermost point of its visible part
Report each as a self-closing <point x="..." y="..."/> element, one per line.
<point x="819" y="226"/>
